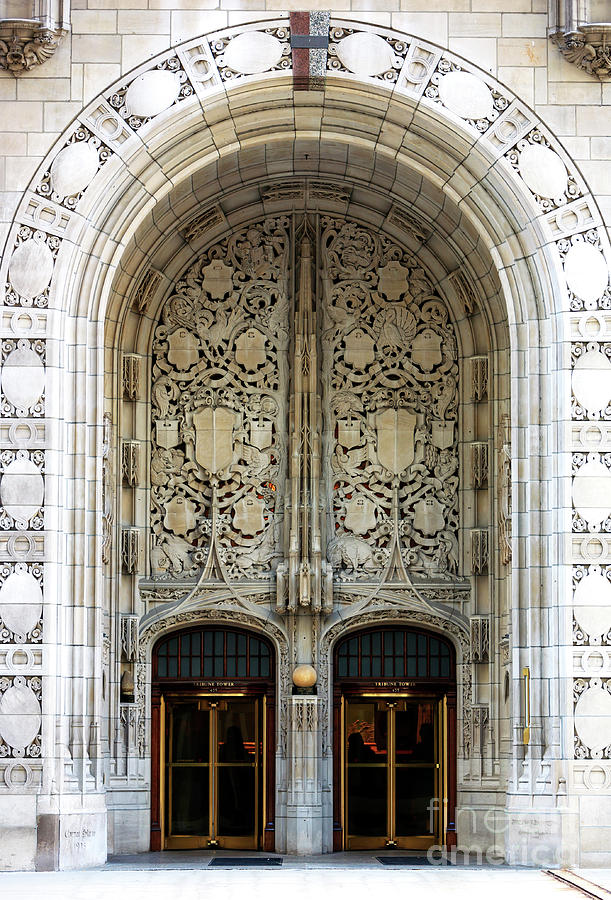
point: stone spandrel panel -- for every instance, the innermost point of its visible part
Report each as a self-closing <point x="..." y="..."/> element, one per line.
<point x="220" y="380"/>
<point x="390" y="378"/>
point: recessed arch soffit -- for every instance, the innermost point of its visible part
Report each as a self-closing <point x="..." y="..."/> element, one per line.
<point x="429" y="115"/>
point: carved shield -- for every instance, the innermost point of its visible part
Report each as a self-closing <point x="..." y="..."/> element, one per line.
<point x="395" y="432"/>
<point x="442" y="434"/>
<point x="183" y="349"/>
<point x="214" y="438"/>
<point x="250" y="349"/>
<point x="359" y="350"/>
<point x="248" y="515"/>
<point x="217" y="279"/>
<point x="348" y="433"/>
<point x="166" y="433"/>
<point x="261" y="433"/>
<point x="179" y="515"/>
<point x="426" y="349"/>
<point x="428" y="516"/>
<point x="360" y="515"/>
<point x="393" y="280"/>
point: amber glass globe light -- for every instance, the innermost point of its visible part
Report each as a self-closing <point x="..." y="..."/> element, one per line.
<point x="304" y="676"/>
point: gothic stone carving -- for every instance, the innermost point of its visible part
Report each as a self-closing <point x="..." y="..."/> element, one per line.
<point x="218" y="614"/>
<point x="131" y="376"/>
<point x="589" y="48"/>
<point x="25" y="44"/>
<point x="130" y="549"/>
<point x="480" y="639"/>
<point x="504" y="489"/>
<point x="129" y="638"/>
<point x="479" y="377"/>
<point x="220" y="378"/>
<point x="479" y="551"/>
<point x="130" y="462"/>
<point x="390" y="388"/>
<point x="107" y="489"/>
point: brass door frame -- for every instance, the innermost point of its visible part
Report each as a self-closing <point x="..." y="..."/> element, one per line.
<point x="188" y="842"/>
<point x="391" y="840"/>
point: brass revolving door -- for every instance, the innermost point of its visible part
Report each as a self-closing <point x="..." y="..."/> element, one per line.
<point x="395" y="740"/>
<point x="212" y="718"/>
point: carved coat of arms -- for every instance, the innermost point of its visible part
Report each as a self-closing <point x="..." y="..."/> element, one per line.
<point x="426" y="349"/>
<point x="359" y="350"/>
<point x="217" y="280"/>
<point x="248" y="515"/>
<point x="183" y="349"/>
<point x="393" y="280"/>
<point x="395" y="439"/>
<point x="360" y="515"/>
<point x="180" y="515"/>
<point x="442" y="434"/>
<point x="166" y="433"/>
<point x="214" y="438"/>
<point x="428" y="515"/>
<point x="250" y="349"/>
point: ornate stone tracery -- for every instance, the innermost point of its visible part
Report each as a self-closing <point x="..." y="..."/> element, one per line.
<point x="390" y="376"/>
<point x="221" y="375"/>
<point x="219" y="388"/>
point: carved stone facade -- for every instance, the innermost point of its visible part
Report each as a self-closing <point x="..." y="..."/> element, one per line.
<point x="293" y="360"/>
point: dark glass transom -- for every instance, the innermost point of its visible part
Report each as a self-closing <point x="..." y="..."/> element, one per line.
<point x="396" y="653"/>
<point x="213" y="653"/>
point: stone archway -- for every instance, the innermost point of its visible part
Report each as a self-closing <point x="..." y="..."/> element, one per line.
<point x="465" y="188"/>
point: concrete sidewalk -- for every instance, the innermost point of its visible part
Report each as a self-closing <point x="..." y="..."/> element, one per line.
<point x="360" y="878"/>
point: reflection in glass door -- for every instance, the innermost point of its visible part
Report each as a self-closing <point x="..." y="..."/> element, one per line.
<point x="393" y="772"/>
<point x="213" y="760"/>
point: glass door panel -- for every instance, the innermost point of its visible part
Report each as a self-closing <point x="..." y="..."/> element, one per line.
<point x="416" y="768"/>
<point x="366" y="769"/>
<point x="214" y="752"/>
<point x="392" y="773"/>
<point x="238" y="754"/>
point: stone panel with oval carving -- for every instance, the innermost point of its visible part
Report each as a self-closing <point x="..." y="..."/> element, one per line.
<point x="22" y="378"/>
<point x="22" y="490"/>
<point x="73" y="168"/>
<point x="20" y="715"/>
<point x="592" y="380"/>
<point x="592" y="717"/>
<point x="592" y="491"/>
<point x="31" y="267"/>
<point x="20" y="603"/>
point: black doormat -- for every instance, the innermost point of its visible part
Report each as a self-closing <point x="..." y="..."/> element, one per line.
<point x="413" y="861"/>
<point x="229" y="861"/>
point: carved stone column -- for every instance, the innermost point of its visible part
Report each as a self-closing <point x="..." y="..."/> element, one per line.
<point x="304" y="807"/>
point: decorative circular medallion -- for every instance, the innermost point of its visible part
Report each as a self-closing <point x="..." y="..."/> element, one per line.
<point x="592" y="492"/>
<point x="592" y="381"/>
<point x="366" y="54"/>
<point x="20" y="602"/>
<point x="23" y="378"/>
<point x="252" y="52"/>
<point x="543" y="171"/>
<point x="31" y="268"/>
<point x="73" y="168"/>
<point x="19" y="715"/>
<point x="466" y="95"/>
<point x="151" y="93"/>
<point x="593" y="717"/>
<point x="586" y="271"/>
<point x="592" y="603"/>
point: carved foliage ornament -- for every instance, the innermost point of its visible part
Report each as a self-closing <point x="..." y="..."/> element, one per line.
<point x="390" y="388"/>
<point x="220" y="378"/>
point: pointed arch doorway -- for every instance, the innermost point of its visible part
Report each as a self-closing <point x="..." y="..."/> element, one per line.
<point x="395" y="740"/>
<point x="212" y="740"/>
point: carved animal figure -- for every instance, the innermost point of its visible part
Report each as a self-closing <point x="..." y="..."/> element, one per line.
<point x="351" y="553"/>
